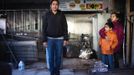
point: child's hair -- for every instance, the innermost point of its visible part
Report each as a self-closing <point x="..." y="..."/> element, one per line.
<point x="109" y="23"/>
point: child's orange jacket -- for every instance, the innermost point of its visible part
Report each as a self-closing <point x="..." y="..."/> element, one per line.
<point x="107" y="46"/>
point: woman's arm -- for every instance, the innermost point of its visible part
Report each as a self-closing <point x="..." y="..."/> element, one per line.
<point x="102" y="33"/>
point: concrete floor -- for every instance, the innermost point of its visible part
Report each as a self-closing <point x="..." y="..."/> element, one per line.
<point x="72" y="66"/>
<point x="45" y="72"/>
<point x="72" y="72"/>
<point x="115" y="72"/>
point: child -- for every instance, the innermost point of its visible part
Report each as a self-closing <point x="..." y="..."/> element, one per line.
<point x="108" y="44"/>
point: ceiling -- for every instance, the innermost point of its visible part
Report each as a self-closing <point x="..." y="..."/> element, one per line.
<point x="24" y="4"/>
<point x="26" y="1"/>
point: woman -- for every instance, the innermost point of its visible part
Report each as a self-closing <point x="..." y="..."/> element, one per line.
<point x="55" y="33"/>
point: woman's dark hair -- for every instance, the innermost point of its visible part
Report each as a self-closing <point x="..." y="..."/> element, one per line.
<point x="54" y="0"/>
<point x="109" y="23"/>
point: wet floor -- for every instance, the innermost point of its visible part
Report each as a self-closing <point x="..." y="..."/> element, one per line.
<point x="115" y="72"/>
<point x="74" y="72"/>
<point x="73" y="66"/>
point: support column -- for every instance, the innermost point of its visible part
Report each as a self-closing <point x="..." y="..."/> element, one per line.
<point x="128" y="34"/>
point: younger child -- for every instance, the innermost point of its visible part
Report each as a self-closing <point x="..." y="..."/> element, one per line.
<point x="108" y="44"/>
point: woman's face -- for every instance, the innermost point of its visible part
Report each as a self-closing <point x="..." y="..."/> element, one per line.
<point x="113" y="17"/>
<point x="54" y="6"/>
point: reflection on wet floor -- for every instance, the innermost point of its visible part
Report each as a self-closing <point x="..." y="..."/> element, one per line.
<point x="73" y="66"/>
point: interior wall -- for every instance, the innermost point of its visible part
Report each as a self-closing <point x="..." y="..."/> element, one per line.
<point x="78" y="24"/>
<point x="26" y="22"/>
<point x="87" y="24"/>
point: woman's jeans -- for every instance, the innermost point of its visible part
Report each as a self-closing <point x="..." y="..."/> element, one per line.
<point x="54" y="50"/>
<point x="109" y="60"/>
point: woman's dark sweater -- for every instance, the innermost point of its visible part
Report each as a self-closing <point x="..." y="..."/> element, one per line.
<point x="54" y="25"/>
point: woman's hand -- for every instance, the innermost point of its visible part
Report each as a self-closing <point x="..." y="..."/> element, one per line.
<point x="65" y="43"/>
<point x="45" y="44"/>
